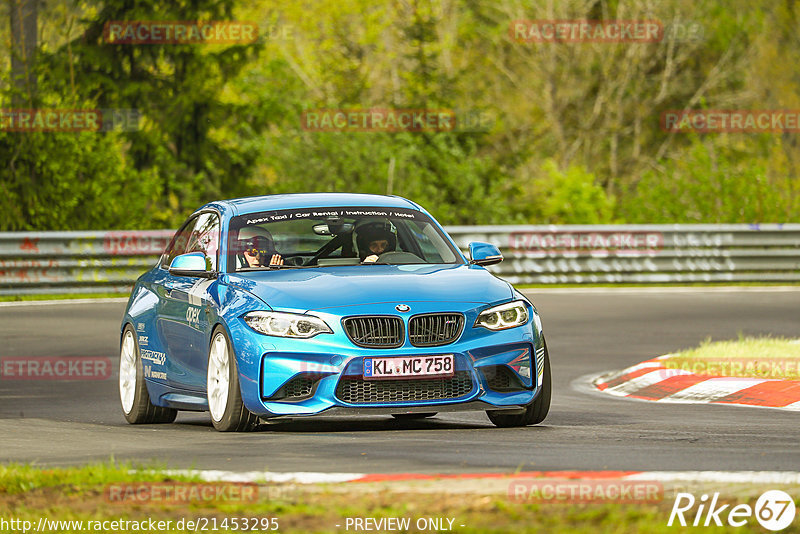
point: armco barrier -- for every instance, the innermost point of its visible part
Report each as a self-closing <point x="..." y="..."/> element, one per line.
<point x="77" y="262"/>
<point x="86" y="262"/>
<point x="579" y="254"/>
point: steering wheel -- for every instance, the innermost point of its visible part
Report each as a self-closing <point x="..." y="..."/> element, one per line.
<point x="294" y="260"/>
<point x="398" y="258"/>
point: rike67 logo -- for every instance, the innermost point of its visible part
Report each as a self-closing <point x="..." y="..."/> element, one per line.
<point x="774" y="510"/>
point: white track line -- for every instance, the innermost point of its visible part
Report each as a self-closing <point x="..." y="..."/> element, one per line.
<point x="587" y="385"/>
<point x="712" y="389"/>
<point x="635" y="384"/>
<point x="300" y="477"/>
<point x="732" y="477"/>
<point x="743" y="477"/>
<point x="62" y="301"/>
<point x="606" y="378"/>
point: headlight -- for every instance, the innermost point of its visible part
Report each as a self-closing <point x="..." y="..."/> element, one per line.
<point x="503" y="316"/>
<point x="286" y="324"/>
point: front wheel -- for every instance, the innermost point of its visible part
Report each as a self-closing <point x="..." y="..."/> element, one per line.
<point x="136" y="405"/>
<point x="536" y="411"/>
<point x="228" y="412"/>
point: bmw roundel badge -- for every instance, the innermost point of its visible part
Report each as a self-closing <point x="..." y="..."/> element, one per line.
<point x="402" y="307"/>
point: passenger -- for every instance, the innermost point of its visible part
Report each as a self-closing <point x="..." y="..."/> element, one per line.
<point x="258" y="250"/>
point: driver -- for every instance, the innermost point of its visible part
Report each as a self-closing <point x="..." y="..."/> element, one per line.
<point x="375" y="238"/>
<point x="257" y="249"/>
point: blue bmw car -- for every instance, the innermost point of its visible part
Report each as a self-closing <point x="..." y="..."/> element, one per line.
<point x="331" y="303"/>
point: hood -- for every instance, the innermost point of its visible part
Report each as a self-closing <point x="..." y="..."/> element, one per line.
<point x="333" y="287"/>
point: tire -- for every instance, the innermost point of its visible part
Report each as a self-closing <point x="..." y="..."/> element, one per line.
<point x="133" y="396"/>
<point x="412" y="416"/>
<point x="228" y="412"/>
<point x="536" y="411"/>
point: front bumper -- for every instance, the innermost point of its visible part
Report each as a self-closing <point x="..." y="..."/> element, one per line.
<point x="476" y="405"/>
<point x="296" y="384"/>
<point x="323" y="376"/>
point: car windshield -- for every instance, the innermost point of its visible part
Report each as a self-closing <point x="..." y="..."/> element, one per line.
<point x="329" y="237"/>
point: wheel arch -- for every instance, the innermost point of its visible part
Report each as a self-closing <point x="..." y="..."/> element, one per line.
<point x="249" y="382"/>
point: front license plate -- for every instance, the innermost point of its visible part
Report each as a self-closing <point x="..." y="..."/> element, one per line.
<point x="409" y="367"/>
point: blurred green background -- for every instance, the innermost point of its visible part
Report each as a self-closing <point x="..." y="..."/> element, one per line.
<point x="574" y="135"/>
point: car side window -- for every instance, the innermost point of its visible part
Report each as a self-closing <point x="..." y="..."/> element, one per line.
<point x="205" y="238"/>
<point x="178" y="244"/>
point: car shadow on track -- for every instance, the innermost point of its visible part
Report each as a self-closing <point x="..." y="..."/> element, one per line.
<point x="355" y="424"/>
<point x="368" y="424"/>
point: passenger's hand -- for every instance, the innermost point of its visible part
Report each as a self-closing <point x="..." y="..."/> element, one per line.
<point x="276" y="260"/>
<point x="371" y="259"/>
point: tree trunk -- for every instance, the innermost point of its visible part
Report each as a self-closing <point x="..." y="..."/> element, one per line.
<point x="23" y="48"/>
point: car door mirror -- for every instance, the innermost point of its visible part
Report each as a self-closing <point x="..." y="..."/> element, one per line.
<point x="484" y="254"/>
<point x="191" y="264"/>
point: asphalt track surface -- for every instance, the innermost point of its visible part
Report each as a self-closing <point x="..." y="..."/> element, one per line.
<point x="588" y="332"/>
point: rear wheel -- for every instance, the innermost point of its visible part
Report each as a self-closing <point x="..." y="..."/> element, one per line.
<point x="228" y="412"/>
<point x="410" y="416"/>
<point x="136" y="405"/>
<point x="536" y="411"/>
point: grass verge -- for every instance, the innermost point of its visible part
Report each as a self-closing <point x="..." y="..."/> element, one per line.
<point x="747" y="357"/>
<point x="20" y="478"/>
<point x="80" y="494"/>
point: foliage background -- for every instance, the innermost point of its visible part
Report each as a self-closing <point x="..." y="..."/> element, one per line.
<point x="574" y="135"/>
